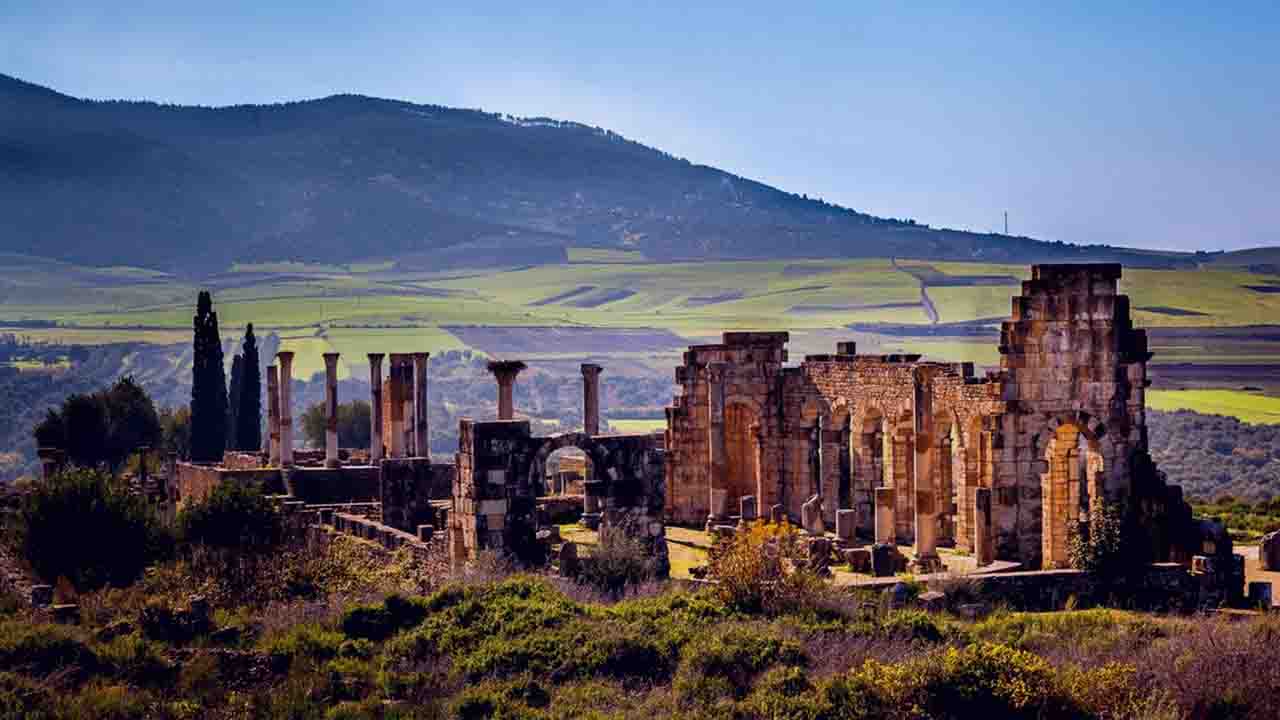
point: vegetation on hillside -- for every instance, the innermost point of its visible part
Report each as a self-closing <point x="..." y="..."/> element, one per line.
<point x="1213" y="455"/>
<point x="365" y="176"/>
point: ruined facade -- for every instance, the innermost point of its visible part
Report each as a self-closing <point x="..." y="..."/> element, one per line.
<point x="925" y="453"/>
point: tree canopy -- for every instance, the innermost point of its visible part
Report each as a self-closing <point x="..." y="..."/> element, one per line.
<point x="103" y="428"/>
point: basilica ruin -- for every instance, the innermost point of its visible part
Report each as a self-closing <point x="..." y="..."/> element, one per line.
<point x="861" y="451"/>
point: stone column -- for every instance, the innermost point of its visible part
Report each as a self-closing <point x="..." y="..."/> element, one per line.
<point x="406" y="399"/>
<point x="983" y="551"/>
<point x="273" y="416"/>
<point x="331" y="410"/>
<point x="885" y="515"/>
<point x="719" y="460"/>
<point x="926" y="515"/>
<point x="505" y="372"/>
<point x="285" y="359"/>
<point x="591" y="398"/>
<point x="396" y="375"/>
<point x="375" y="400"/>
<point x="421" y="436"/>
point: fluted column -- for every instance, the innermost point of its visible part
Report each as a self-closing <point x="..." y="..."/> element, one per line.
<point x="375" y="400"/>
<point x="285" y="359"/>
<point x="331" y="410"/>
<point x="591" y="398"/>
<point x="273" y="416"/>
<point x="421" y="437"/>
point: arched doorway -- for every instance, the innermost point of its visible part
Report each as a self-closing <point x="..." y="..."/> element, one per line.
<point x="1071" y="487"/>
<point x="566" y="472"/>
<point x="868" y="441"/>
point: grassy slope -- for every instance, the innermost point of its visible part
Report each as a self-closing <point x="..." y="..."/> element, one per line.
<point x="313" y="307"/>
<point x="1247" y="406"/>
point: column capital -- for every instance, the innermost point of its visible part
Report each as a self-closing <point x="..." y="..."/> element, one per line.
<point x="505" y="370"/>
<point x="591" y="369"/>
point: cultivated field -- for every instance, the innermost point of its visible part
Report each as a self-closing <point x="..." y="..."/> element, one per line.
<point x="946" y="311"/>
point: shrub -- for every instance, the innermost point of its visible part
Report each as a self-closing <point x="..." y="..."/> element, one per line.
<point x="87" y="527"/>
<point x="1106" y="546"/>
<point x="381" y="621"/>
<point x="722" y="664"/>
<point x="762" y="569"/>
<point x="37" y="650"/>
<point x="233" y="517"/>
<point x="617" y="562"/>
<point x="986" y="680"/>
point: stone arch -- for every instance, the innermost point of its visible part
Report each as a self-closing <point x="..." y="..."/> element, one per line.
<point x="842" y="424"/>
<point x="579" y="440"/>
<point x="1074" y="460"/>
<point x="949" y="473"/>
<point x="867" y="447"/>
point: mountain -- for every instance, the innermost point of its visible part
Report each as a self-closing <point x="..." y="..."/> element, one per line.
<point x="348" y="177"/>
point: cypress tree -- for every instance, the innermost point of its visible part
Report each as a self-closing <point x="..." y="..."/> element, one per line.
<point x="249" y="415"/>
<point x="233" y="403"/>
<point x="208" y="386"/>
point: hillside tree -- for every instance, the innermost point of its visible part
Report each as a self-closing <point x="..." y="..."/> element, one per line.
<point x="208" y="385"/>
<point x="249" y="410"/>
<point x="233" y="403"/>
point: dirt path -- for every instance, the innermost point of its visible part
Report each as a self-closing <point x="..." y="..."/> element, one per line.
<point x="925" y="300"/>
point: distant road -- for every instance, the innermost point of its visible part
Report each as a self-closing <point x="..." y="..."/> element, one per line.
<point x="925" y="300"/>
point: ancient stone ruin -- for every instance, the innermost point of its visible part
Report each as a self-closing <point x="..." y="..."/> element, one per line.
<point x="889" y="448"/>
<point x="872" y="455"/>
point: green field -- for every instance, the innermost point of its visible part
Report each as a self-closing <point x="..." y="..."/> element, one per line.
<point x="1249" y="407"/>
<point x="374" y="307"/>
<point x="637" y="425"/>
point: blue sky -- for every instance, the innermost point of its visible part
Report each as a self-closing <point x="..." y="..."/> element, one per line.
<point x="1151" y="125"/>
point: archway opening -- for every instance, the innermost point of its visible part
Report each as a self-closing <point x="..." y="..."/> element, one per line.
<point x="1071" y="487"/>
<point x="566" y="472"/>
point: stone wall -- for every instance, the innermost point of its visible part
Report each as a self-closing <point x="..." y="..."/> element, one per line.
<point x="501" y="470"/>
<point x="1058" y="430"/>
<point x="318" y="485"/>
<point x="192" y="483"/>
<point x="407" y="488"/>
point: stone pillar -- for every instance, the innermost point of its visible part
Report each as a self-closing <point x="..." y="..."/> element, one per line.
<point x="406" y="399"/>
<point x="285" y="359"/>
<point x="747" y="508"/>
<point x="505" y="372"/>
<point x="273" y="416"/>
<point x="331" y="410"/>
<point x="396" y="376"/>
<point x="591" y="398"/>
<point x="983" y="551"/>
<point x="884" y="515"/>
<point x="421" y="436"/>
<point x="926" y="501"/>
<point x="375" y="400"/>
<point x="719" y="460"/>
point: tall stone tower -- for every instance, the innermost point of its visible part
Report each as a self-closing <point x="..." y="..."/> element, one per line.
<point x="1075" y="371"/>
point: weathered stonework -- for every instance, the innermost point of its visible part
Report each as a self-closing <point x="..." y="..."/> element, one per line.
<point x="501" y="471"/>
<point x="1061" y="426"/>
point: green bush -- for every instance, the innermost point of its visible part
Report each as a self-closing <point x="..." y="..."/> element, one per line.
<point x="986" y="680"/>
<point x="381" y="621"/>
<point x="85" y="526"/>
<point x="722" y="664"/>
<point x="37" y="650"/>
<point x="234" y="517"/>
